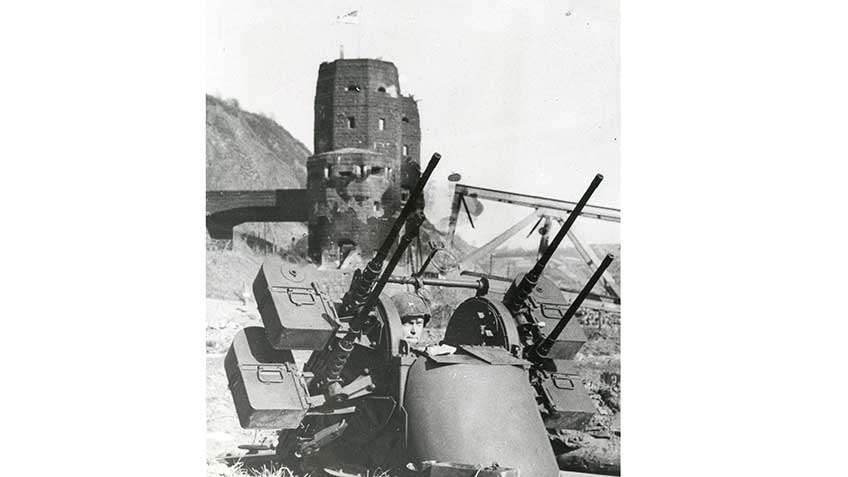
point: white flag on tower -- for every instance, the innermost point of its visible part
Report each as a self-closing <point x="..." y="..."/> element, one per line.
<point x="350" y="18"/>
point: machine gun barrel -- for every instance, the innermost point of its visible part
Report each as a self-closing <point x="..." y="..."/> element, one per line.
<point x="479" y="284"/>
<point x="363" y="281"/>
<point x="516" y="296"/>
<point x="549" y="252"/>
<point x="361" y="321"/>
<point x="541" y="350"/>
<point x="328" y="378"/>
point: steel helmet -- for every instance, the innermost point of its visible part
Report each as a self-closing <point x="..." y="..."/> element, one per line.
<point x="410" y="305"/>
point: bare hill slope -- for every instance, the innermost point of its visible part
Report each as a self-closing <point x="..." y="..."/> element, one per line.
<point x="247" y="151"/>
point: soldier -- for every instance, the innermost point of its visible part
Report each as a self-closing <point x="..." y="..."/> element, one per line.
<point x="414" y="315"/>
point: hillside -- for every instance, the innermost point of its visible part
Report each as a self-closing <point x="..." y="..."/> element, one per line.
<point x="247" y="151"/>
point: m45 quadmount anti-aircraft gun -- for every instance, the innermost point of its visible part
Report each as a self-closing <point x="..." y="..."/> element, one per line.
<point x="368" y="399"/>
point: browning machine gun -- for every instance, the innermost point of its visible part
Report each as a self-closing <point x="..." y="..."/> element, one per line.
<point x="351" y="344"/>
<point x="364" y="292"/>
<point x="367" y="398"/>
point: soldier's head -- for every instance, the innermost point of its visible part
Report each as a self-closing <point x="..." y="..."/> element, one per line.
<point x="414" y="315"/>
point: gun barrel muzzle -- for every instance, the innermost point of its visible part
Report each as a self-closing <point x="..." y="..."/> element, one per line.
<point x="578" y="209"/>
<point x="408" y="208"/>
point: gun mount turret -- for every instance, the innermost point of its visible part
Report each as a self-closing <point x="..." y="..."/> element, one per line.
<point x="518" y="321"/>
<point x="367" y="397"/>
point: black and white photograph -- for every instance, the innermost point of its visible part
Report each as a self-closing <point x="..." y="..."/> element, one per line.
<point x="373" y="238"/>
<point x="413" y="255"/>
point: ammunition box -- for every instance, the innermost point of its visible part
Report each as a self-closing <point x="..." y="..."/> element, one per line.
<point x="569" y="405"/>
<point x="267" y="390"/>
<point x="296" y="314"/>
<point x="569" y="342"/>
<point x="551" y="307"/>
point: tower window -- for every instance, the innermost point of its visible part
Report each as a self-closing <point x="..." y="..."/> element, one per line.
<point x="351" y="122"/>
<point x="354" y="88"/>
<point x="405" y="150"/>
<point x="381" y="89"/>
<point x="381" y="124"/>
<point x="405" y="119"/>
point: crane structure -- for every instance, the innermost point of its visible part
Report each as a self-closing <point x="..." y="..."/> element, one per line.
<point x="543" y="209"/>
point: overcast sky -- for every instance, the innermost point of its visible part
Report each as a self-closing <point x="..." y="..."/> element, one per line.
<point x="515" y="95"/>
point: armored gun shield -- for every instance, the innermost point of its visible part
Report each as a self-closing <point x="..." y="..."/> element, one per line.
<point x="476" y="414"/>
<point x="482" y="321"/>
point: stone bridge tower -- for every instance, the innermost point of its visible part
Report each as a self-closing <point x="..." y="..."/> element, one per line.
<point x="367" y="155"/>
